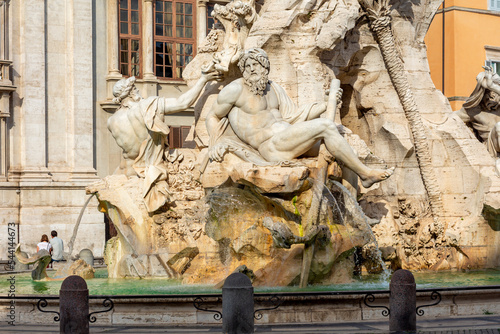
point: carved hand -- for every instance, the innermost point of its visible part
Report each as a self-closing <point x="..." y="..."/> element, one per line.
<point x="216" y="152"/>
<point x="212" y="75"/>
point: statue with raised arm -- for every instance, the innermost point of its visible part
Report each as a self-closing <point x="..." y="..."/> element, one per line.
<point x="482" y="112"/>
<point x="263" y="117"/>
<point x="140" y="131"/>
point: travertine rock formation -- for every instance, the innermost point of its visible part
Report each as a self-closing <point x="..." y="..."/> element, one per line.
<point x="246" y="214"/>
<point x="311" y="42"/>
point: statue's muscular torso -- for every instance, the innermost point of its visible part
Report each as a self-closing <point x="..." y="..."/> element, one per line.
<point x="255" y="118"/>
<point x="127" y="127"/>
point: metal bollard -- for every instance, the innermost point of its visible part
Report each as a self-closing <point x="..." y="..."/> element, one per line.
<point x="74" y="306"/>
<point x="403" y="302"/>
<point x="237" y="305"/>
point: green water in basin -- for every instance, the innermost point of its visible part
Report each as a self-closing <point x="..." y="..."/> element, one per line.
<point x="102" y="285"/>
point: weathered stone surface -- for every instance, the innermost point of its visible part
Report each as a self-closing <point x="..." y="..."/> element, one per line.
<point x="87" y="256"/>
<point x="79" y="268"/>
<point x="309" y="43"/>
<point x="275" y="179"/>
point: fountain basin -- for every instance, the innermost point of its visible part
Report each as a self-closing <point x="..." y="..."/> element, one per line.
<point x="102" y="285"/>
<point x="311" y="308"/>
<point x="164" y="302"/>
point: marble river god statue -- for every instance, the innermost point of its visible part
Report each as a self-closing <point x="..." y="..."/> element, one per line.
<point x="140" y="131"/>
<point x="482" y="112"/>
<point x="255" y="112"/>
<point x="272" y="203"/>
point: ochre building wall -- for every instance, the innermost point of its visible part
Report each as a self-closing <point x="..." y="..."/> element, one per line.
<point x="468" y="27"/>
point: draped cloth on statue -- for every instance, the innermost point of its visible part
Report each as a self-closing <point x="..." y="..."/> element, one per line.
<point x="150" y="163"/>
<point x="288" y="110"/>
<point x="476" y="100"/>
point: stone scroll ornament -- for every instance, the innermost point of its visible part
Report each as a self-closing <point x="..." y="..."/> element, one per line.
<point x="380" y="23"/>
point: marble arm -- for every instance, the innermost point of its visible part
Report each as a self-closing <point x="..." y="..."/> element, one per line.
<point x="220" y="109"/>
<point x="188" y="98"/>
<point x="491" y="80"/>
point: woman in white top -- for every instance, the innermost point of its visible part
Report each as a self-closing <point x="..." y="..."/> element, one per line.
<point x="44" y="244"/>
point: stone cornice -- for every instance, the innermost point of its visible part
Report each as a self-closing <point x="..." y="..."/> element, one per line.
<point x="470" y="10"/>
<point x="109" y="106"/>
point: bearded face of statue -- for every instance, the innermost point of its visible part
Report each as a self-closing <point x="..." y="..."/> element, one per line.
<point x="255" y="76"/>
<point x="135" y="95"/>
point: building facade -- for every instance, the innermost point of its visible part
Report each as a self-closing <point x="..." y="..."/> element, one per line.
<point x="462" y="38"/>
<point x="59" y="60"/>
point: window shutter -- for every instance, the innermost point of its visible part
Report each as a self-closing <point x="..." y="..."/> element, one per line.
<point x="184" y="133"/>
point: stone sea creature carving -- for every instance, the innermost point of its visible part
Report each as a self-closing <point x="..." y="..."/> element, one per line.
<point x="237" y="18"/>
<point x="378" y="12"/>
<point x="78" y="267"/>
<point x="213" y="41"/>
<point x="482" y="112"/>
<point x="140" y="131"/>
<point x="40" y="259"/>
<point x="283" y="236"/>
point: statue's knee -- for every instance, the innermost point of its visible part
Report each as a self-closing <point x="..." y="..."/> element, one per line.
<point x="330" y="125"/>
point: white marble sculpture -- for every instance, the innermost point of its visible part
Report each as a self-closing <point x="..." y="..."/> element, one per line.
<point x="140" y="131"/>
<point x="263" y="117"/>
<point x="482" y="112"/>
<point x="237" y="18"/>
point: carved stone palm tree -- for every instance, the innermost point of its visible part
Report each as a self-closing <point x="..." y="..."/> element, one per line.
<point x="380" y="23"/>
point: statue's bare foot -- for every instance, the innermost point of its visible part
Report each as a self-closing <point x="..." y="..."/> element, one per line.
<point x="376" y="175"/>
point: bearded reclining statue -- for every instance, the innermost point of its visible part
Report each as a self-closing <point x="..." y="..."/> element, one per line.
<point x="269" y="129"/>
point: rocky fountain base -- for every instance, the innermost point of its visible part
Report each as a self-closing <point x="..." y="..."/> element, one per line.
<point x="243" y="218"/>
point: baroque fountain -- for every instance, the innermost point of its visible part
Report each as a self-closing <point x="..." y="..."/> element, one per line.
<point x="322" y="146"/>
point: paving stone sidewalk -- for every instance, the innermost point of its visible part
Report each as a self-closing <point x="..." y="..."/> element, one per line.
<point x="464" y="325"/>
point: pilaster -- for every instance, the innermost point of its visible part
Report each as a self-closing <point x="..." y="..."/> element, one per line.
<point x="28" y="145"/>
<point x="79" y="60"/>
<point x="113" y="47"/>
<point x="150" y="87"/>
<point x="202" y="21"/>
<point x="6" y="88"/>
